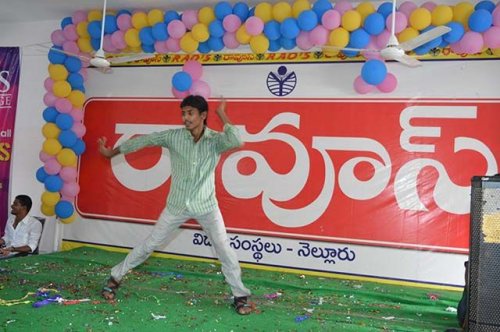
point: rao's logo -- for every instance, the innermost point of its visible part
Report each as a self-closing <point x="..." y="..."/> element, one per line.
<point x="281" y="83"/>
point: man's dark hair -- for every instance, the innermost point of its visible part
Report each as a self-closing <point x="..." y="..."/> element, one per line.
<point x="25" y="200"/>
<point x="197" y="102"/>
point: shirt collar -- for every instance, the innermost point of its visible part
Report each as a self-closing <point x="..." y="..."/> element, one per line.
<point x="207" y="134"/>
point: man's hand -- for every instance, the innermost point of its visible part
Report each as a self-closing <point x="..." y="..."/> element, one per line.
<point x="105" y="150"/>
<point x="5" y="251"/>
<point x="221" y="111"/>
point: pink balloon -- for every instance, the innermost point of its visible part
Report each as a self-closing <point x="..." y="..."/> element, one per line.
<point x="193" y="68"/>
<point x="161" y="47"/>
<point x="231" y="23"/>
<point x="68" y="174"/>
<point x="491" y="37"/>
<point x="254" y="25"/>
<point x="343" y="6"/>
<point x="429" y="5"/>
<point x="176" y="29"/>
<point x="48" y="84"/>
<point x="372" y="46"/>
<point x="190" y="18"/>
<point x="70" y="189"/>
<point x="361" y="87"/>
<point x="118" y="39"/>
<point x="71" y="47"/>
<point x="303" y="41"/>
<point x="70" y="33"/>
<point x="457" y="48"/>
<point x="63" y="105"/>
<point x="319" y="35"/>
<point x="77" y="114"/>
<point x="49" y="99"/>
<point x="230" y="40"/>
<point x="496" y="16"/>
<point x="44" y="156"/>
<point x="57" y="38"/>
<point x="173" y="44"/>
<point x="400" y="24"/>
<point x="472" y="42"/>
<point x="52" y="166"/>
<point x="124" y="22"/>
<point x="382" y="39"/>
<point x="67" y="198"/>
<point x="407" y="8"/>
<point x="331" y="18"/>
<point x="107" y="44"/>
<point x="79" y="129"/>
<point x="388" y="84"/>
<point x="79" y="16"/>
<point x="200" y="88"/>
<point x="180" y="94"/>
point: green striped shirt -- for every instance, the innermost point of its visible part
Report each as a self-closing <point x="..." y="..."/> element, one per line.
<point x="192" y="187"/>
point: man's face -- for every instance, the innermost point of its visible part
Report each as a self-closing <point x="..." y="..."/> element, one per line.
<point x="192" y="118"/>
<point x="16" y="207"/>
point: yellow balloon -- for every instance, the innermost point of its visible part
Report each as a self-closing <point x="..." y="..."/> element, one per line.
<point x="139" y="20"/>
<point x="242" y="35"/>
<point x="461" y="13"/>
<point x="50" y="130"/>
<point x="84" y="45"/>
<point x="188" y="43"/>
<point x="206" y="15"/>
<point x="420" y="18"/>
<point x="66" y="157"/>
<point x="61" y="89"/>
<point x="94" y="15"/>
<point x="351" y="20"/>
<point x="407" y="34"/>
<point x="51" y="146"/>
<point x="50" y="198"/>
<point x="132" y="38"/>
<point x="200" y="32"/>
<point x="77" y="98"/>
<point x="441" y="15"/>
<point x="339" y="37"/>
<point x="68" y="220"/>
<point x="282" y="10"/>
<point x="264" y="11"/>
<point x="155" y="16"/>
<point x="81" y="29"/>
<point x="48" y="210"/>
<point x="365" y="9"/>
<point x="58" y="72"/>
<point x="496" y="51"/>
<point x="299" y="6"/>
<point x="259" y="44"/>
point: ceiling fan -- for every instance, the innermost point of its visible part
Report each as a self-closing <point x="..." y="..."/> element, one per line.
<point x="397" y="52"/>
<point x="99" y="58"/>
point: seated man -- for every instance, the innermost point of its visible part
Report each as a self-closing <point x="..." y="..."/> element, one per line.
<point x="22" y="231"/>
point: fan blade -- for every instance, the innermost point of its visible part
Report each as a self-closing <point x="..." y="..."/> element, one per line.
<point x="84" y="58"/>
<point x="407" y="60"/>
<point x="335" y="48"/>
<point x="424" y="38"/>
<point x="131" y="58"/>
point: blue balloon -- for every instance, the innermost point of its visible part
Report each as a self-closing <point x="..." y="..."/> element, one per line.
<point x="321" y="6"/>
<point x="480" y="20"/>
<point x="66" y="21"/>
<point x="350" y="54"/>
<point x="288" y="43"/>
<point x="456" y="33"/>
<point x="216" y="44"/>
<point x="374" y="72"/>
<point x="56" y="57"/>
<point x="274" y="45"/>
<point x="359" y="38"/>
<point x="148" y="48"/>
<point x="110" y="25"/>
<point x="486" y="4"/>
<point x="64" y="121"/>
<point x="216" y="29"/>
<point x="41" y="175"/>
<point x="241" y="10"/>
<point x="170" y="16"/>
<point x="374" y="24"/>
<point x="75" y="80"/>
<point x="272" y="30"/>
<point x="182" y="81"/>
<point x="307" y="20"/>
<point x="53" y="183"/>
<point x="289" y="28"/>
<point x="159" y="31"/>
<point x="422" y="49"/>
<point x="67" y="138"/>
<point x="204" y="47"/>
<point x="222" y="9"/>
<point x="79" y="147"/>
<point x="73" y="64"/>
<point x="64" y="209"/>
<point x="94" y="29"/>
<point x="80" y="88"/>
<point x="385" y="9"/>
<point x="50" y="114"/>
<point x="444" y="44"/>
<point x="146" y="36"/>
<point x="95" y="43"/>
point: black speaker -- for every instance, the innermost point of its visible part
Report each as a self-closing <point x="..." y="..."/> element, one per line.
<point x="483" y="280"/>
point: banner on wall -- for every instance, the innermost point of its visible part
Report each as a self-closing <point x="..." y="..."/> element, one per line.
<point x="383" y="173"/>
<point x="9" y="86"/>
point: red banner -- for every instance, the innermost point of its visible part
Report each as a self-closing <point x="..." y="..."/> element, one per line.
<point x="376" y="172"/>
<point x="9" y="87"/>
